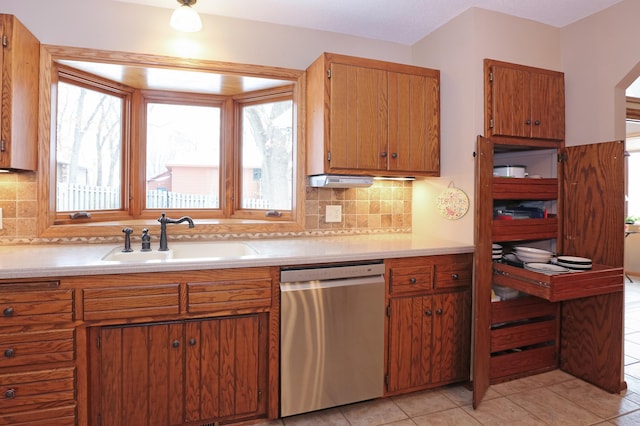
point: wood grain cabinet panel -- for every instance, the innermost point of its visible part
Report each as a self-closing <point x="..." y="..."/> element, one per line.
<point x="37" y="347"/>
<point x="37" y="354"/>
<point x="429" y="322"/>
<point x="131" y="301"/>
<point x="19" y="307"/>
<point x="35" y="390"/>
<point x="19" y="77"/>
<point x="228" y="296"/>
<point x="524" y="102"/>
<point x="372" y="117"/>
<point x="180" y="372"/>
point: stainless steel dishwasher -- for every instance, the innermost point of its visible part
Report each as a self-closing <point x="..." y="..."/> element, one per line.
<point x="332" y="336"/>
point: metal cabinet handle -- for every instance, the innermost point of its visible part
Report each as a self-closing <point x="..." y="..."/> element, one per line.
<point x="383" y="154"/>
<point x="412" y="280"/>
<point x="439" y="311"/>
<point x="175" y="344"/>
<point x="454" y="276"/>
<point x="528" y="122"/>
<point x="8" y="312"/>
<point x="192" y="342"/>
<point x="537" y="122"/>
<point x="428" y="312"/>
<point x="394" y="155"/>
<point x="10" y="393"/>
<point x="9" y="353"/>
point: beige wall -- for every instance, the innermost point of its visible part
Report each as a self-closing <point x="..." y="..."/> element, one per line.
<point x="457" y="49"/>
<point x="597" y="54"/>
<point x="114" y="25"/>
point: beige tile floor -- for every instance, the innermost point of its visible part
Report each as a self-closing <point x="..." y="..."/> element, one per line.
<point x="553" y="398"/>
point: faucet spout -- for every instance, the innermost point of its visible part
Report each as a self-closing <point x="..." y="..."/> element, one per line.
<point x="163" y="219"/>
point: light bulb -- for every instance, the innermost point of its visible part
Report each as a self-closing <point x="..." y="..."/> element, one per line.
<point x="186" y="19"/>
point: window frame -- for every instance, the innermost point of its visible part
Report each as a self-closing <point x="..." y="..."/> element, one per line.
<point x="153" y="96"/>
<point x="238" y="103"/>
<point x="111" y="224"/>
<point x="92" y="82"/>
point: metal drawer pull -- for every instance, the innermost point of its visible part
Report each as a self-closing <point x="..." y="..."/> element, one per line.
<point x="175" y="344"/>
<point x="439" y="311"/>
<point x="412" y="280"/>
<point x="428" y="312"/>
<point x="9" y="353"/>
<point x="192" y="342"/>
<point x="8" y="312"/>
<point x="10" y="393"/>
<point x="454" y="276"/>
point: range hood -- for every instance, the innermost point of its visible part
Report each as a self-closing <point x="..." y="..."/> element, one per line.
<point x="340" y="181"/>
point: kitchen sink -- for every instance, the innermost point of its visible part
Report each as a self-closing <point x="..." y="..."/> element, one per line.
<point x="183" y="251"/>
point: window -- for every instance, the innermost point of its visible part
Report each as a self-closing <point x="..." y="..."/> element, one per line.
<point x="210" y="145"/>
<point x="182" y="156"/>
<point x="89" y="148"/>
<point x="267" y="155"/>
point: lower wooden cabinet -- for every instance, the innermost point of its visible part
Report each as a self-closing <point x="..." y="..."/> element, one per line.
<point x="179" y="372"/>
<point x="428" y="326"/>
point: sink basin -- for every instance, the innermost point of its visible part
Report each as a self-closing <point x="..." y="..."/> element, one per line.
<point x="210" y="249"/>
<point x="183" y="251"/>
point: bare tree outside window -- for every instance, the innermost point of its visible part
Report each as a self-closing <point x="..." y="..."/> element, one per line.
<point x="267" y="155"/>
<point x="89" y="149"/>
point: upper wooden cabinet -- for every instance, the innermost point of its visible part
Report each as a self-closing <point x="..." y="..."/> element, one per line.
<point x="19" y="67"/>
<point x="523" y="102"/>
<point x="372" y="118"/>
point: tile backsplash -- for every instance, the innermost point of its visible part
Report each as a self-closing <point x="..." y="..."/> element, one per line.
<point x="384" y="207"/>
<point x="19" y="206"/>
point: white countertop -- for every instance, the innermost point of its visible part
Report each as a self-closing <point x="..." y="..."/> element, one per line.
<point x="33" y="261"/>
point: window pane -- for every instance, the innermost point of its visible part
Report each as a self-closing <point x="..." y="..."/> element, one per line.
<point x="183" y="156"/>
<point x="267" y="156"/>
<point x="88" y="150"/>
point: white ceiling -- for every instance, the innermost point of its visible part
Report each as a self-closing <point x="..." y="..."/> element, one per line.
<point x="401" y="21"/>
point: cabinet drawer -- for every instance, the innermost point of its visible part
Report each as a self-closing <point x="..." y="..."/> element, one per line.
<point x="36" y="389"/>
<point x="35" y="307"/>
<point x="131" y="302"/>
<point x="409" y="279"/>
<point x="58" y="416"/>
<point x="216" y="296"/>
<point x="454" y="271"/>
<point x="37" y="347"/>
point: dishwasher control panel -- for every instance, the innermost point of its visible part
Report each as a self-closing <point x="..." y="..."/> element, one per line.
<point x="330" y="272"/>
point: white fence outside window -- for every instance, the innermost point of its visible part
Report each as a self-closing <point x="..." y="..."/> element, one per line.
<point x="87" y="198"/>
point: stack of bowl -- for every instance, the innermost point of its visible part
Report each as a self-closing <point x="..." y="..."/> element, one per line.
<point x="574" y="262"/>
<point x="530" y="254"/>
<point x="496" y="252"/>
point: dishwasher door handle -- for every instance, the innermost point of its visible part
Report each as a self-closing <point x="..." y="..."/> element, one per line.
<point x="314" y="285"/>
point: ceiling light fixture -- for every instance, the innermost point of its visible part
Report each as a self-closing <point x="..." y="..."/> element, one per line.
<point x="185" y="18"/>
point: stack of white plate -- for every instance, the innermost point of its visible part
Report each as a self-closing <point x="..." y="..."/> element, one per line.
<point x="530" y="254"/>
<point x="496" y="251"/>
<point x="545" y="268"/>
<point x="574" y="262"/>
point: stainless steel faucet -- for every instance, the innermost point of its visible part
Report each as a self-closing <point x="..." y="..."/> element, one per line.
<point x="163" y="219"/>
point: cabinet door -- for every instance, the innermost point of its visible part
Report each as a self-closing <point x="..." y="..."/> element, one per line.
<point x="524" y="102"/>
<point x="138" y="375"/>
<point x="510" y="102"/>
<point x="592" y="179"/>
<point x="410" y="328"/>
<point x="547" y="105"/>
<point x="225" y="373"/>
<point x="414" y="123"/>
<point x="451" y="337"/>
<point x="358" y="118"/>
<point x="19" y="68"/>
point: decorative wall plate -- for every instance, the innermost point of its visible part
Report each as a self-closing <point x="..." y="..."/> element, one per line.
<point x="453" y="203"/>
